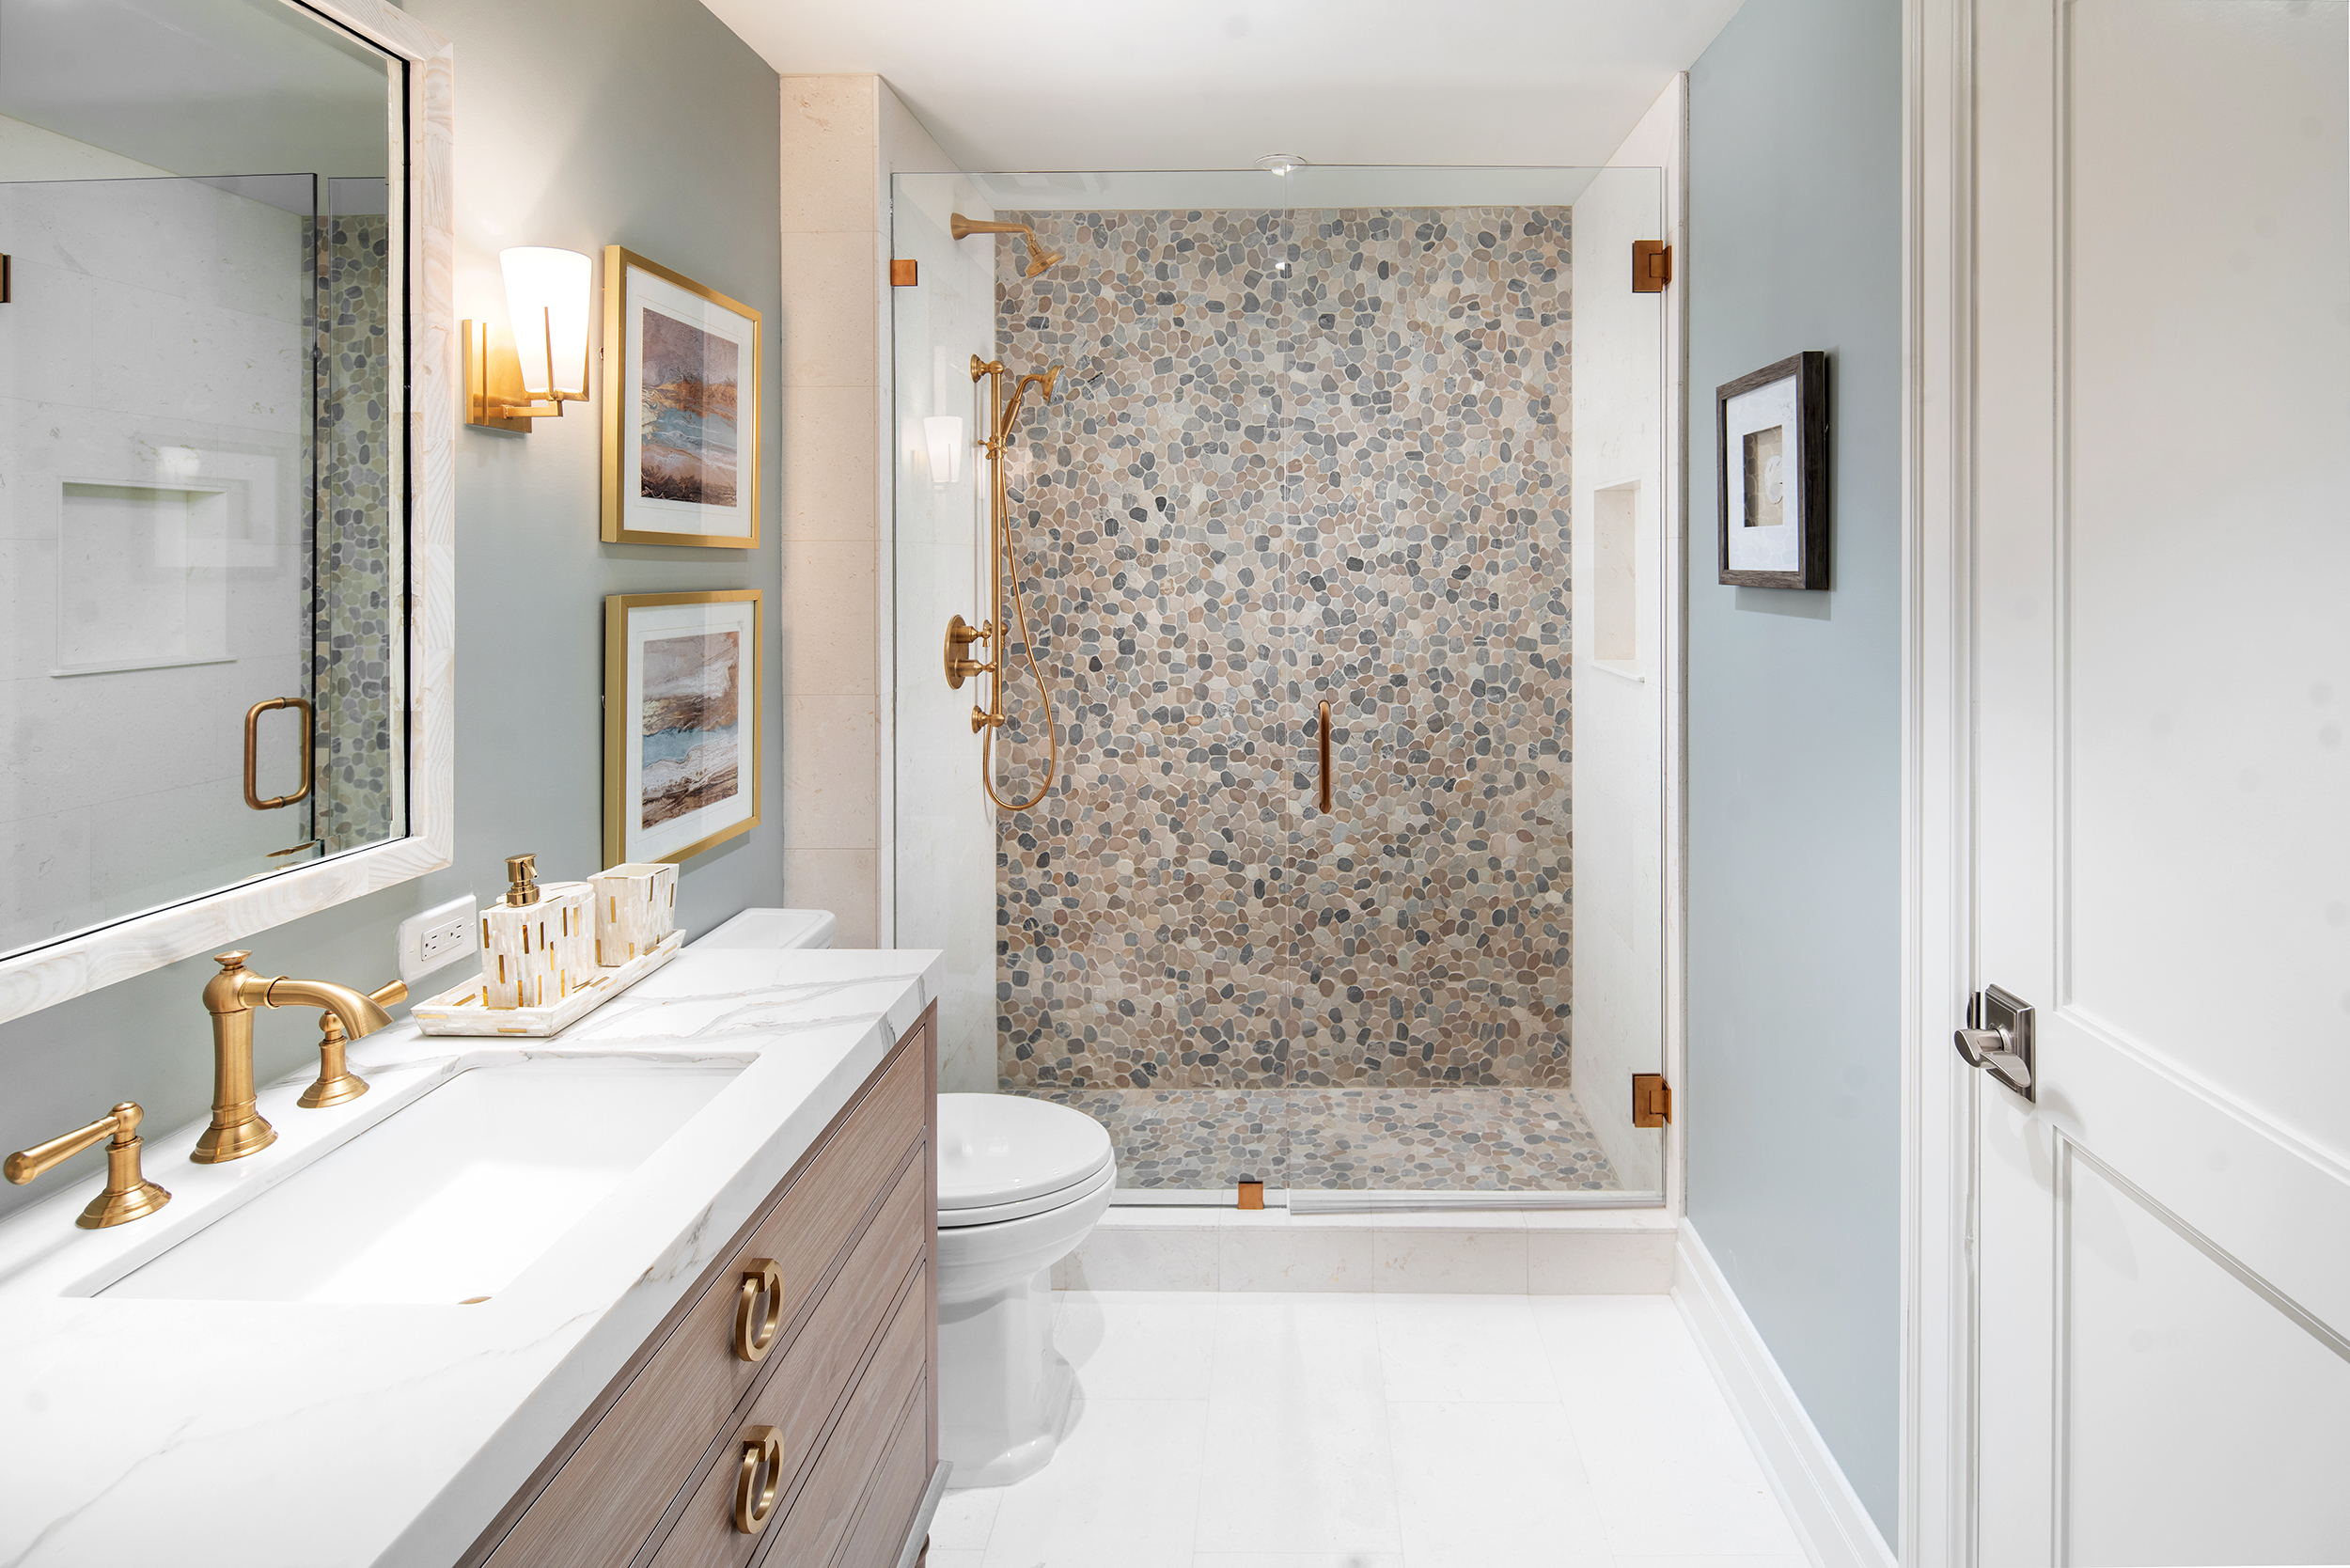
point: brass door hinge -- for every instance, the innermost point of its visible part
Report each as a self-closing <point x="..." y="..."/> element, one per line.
<point x="1652" y="1100"/>
<point x="1252" y="1195"/>
<point x="1652" y="266"/>
<point x="7" y="281"/>
<point x="905" y="275"/>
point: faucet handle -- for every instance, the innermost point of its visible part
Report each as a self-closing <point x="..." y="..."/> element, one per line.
<point x="336" y="1083"/>
<point x="128" y="1193"/>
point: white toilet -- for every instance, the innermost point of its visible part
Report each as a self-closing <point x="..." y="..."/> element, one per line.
<point x="1020" y="1183"/>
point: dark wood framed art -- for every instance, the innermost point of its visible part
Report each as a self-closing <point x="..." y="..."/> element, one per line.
<point x="1770" y="432"/>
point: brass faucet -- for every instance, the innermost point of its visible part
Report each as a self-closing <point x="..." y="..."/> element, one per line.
<point x="230" y="996"/>
<point x="129" y="1195"/>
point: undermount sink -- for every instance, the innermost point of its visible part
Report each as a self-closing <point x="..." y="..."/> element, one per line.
<point x="448" y="1199"/>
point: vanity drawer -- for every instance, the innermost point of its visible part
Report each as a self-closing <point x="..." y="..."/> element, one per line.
<point x="896" y="1492"/>
<point x="612" y="1492"/>
<point x="817" y="1370"/>
<point x="892" y="1392"/>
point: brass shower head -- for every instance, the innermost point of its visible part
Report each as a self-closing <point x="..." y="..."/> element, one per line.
<point x="1039" y="260"/>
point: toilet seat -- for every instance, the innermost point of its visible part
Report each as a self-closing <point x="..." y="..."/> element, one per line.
<point x="1003" y="1156"/>
<point x="995" y="1214"/>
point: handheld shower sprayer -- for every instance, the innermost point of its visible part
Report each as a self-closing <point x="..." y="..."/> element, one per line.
<point x="1003" y="567"/>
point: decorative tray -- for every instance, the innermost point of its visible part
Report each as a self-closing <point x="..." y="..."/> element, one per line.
<point x="460" y="1010"/>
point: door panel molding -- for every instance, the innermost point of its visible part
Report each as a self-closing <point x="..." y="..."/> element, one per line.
<point x="1939" y="1090"/>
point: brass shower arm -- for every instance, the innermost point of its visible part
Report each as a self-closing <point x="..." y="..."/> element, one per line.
<point x="1039" y="260"/>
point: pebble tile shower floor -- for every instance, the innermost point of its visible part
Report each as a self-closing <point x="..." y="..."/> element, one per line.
<point x="1471" y="1139"/>
<point x="1359" y="1431"/>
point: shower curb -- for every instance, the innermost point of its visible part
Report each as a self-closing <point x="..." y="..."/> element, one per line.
<point x="1485" y="1251"/>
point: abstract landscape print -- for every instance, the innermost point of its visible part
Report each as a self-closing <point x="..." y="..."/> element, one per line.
<point x="681" y="413"/>
<point x="690" y="753"/>
<point x="681" y="722"/>
<point x="685" y="417"/>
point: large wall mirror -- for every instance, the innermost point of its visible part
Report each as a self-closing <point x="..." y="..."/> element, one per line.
<point x="224" y="516"/>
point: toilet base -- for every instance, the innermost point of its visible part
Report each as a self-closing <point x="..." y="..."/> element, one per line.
<point x="1003" y="1390"/>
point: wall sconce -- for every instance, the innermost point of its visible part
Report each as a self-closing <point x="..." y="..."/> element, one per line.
<point x="512" y="381"/>
<point x="943" y="434"/>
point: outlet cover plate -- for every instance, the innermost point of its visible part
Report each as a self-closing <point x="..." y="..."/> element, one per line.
<point x="439" y="937"/>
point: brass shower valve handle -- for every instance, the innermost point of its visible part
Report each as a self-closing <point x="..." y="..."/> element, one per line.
<point x="960" y="635"/>
<point x="129" y="1194"/>
<point x="336" y="1083"/>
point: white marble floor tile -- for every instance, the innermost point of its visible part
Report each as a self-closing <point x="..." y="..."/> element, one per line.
<point x="941" y="1558"/>
<point x="1297" y="1457"/>
<point x="1479" y="1485"/>
<point x="1137" y="1344"/>
<point x="1296" y="1559"/>
<point x="1121" y="1491"/>
<point x="1798" y="1561"/>
<point x="1667" y="1460"/>
<point x="1478" y="1349"/>
<point x="965" y="1517"/>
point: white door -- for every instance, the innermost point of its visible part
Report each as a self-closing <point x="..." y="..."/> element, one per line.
<point x="2161" y="603"/>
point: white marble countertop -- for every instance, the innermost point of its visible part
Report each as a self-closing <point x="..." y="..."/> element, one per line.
<point x="262" y="1433"/>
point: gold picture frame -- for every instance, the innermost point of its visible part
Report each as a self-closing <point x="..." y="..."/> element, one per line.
<point x="691" y="664"/>
<point x="686" y="487"/>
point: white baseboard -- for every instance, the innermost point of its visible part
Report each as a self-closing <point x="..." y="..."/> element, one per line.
<point x="1836" y="1530"/>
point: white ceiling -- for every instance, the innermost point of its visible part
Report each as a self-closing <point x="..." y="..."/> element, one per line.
<point x="1130" y="85"/>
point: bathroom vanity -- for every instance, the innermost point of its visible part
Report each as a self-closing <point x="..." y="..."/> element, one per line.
<point x="659" y="1291"/>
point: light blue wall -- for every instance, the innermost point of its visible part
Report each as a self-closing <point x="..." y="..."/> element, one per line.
<point x="1794" y="718"/>
<point x="580" y="123"/>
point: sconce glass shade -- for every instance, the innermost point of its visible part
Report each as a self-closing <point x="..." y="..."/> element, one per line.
<point x="943" y="434"/>
<point x="547" y="294"/>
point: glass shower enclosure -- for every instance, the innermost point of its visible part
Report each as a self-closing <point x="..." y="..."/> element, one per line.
<point x="1296" y="532"/>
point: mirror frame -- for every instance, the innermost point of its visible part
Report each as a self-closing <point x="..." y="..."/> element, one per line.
<point x="78" y="965"/>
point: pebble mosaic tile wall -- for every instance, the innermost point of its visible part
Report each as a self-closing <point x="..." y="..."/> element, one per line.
<point x="1294" y="456"/>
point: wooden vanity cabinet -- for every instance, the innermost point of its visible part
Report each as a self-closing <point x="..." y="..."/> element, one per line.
<point x="840" y="1411"/>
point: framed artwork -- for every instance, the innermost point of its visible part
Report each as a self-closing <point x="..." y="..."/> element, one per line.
<point x="681" y="378"/>
<point x="681" y="675"/>
<point x="1771" y="437"/>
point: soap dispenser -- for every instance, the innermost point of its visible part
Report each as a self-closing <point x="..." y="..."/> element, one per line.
<point x="539" y="943"/>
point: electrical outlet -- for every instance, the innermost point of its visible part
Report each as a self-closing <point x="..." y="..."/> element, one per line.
<point x="439" y="936"/>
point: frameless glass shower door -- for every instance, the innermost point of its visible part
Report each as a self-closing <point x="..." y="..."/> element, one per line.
<point x="1313" y="447"/>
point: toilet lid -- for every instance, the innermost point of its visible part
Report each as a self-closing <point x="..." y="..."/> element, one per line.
<point x="996" y="1148"/>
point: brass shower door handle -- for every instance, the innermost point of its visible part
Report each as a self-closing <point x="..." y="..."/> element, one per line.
<point x="1325" y="757"/>
<point x="252" y="752"/>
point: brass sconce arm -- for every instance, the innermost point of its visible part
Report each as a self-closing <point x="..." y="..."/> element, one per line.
<point x="495" y="397"/>
<point x="237" y="1129"/>
<point x="129" y="1195"/>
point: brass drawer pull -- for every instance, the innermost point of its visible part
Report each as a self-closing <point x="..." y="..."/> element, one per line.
<point x="252" y="746"/>
<point x="754" y="1335"/>
<point x="755" y="1501"/>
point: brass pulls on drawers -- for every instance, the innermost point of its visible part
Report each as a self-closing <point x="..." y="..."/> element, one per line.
<point x="754" y="1335"/>
<point x="755" y="1496"/>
